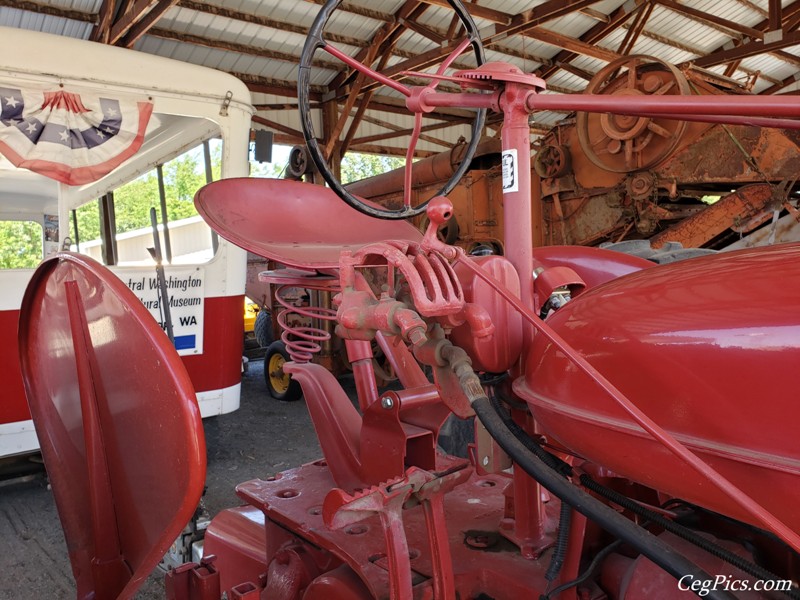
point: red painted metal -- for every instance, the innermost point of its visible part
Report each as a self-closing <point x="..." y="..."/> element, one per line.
<point x="13" y="407"/>
<point x="223" y="323"/>
<point x="499" y="352"/>
<point x="611" y="377"/>
<point x="92" y="400"/>
<point x="351" y="62"/>
<point x="640" y="579"/>
<point x="222" y="331"/>
<point x="294" y="499"/>
<point x="303" y="237"/>
<point x="729" y="490"/>
<point x="193" y="582"/>
<point x="236" y="538"/>
<point x="593" y="265"/>
<point x="689" y="107"/>
<point x="729" y="316"/>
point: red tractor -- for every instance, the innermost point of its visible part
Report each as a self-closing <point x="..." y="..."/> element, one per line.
<point x="635" y="432"/>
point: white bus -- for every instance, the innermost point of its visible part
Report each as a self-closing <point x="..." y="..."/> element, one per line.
<point x="78" y="120"/>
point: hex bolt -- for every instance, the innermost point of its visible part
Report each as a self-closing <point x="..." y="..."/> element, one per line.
<point x="387" y="402"/>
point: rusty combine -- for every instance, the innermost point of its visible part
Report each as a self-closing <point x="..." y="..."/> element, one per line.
<point x="606" y="178"/>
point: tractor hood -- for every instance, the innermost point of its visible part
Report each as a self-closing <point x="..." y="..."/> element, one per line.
<point x="709" y="349"/>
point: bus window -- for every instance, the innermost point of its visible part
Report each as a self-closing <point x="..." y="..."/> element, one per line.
<point x="188" y="239"/>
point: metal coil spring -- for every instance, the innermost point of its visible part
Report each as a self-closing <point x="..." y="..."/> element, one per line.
<point x="302" y="342"/>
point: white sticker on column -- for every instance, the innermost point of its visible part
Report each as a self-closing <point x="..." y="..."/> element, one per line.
<point x="510" y="175"/>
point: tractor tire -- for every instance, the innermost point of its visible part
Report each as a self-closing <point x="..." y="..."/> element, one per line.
<point x="262" y="329"/>
<point x="280" y="385"/>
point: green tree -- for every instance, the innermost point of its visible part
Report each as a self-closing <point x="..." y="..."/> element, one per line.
<point x="20" y="244"/>
<point x="356" y="166"/>
<point x="183" y="176"/>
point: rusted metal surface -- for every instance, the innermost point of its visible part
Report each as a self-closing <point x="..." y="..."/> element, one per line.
<point x="611" y="178"/>
<point x="638" y="177"/>
<point x="733" y="210"/>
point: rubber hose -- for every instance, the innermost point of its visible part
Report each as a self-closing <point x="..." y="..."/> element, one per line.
<point x="684" y="532"/>
<point x="676" y="528"/>
<point x="562" y="541"/>
<point x="659" y="552"/>
<point x="551" y="460"/>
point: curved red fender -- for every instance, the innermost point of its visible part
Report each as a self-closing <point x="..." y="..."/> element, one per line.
<point x="117" y="420"/>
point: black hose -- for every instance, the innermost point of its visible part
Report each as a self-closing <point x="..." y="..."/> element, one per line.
<point x="586" y="573"/>
<point x="684" y="532"/>
<point x="562" y="541"/>
<point x="512" y="402"/>
<point x="669" y="525"/>
<point x="659" y="552"/>
<point x="551" y="460"/>
<point x="558" y="465"/>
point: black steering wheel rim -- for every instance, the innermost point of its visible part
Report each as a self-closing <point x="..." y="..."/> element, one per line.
<point x="313" y="43"/>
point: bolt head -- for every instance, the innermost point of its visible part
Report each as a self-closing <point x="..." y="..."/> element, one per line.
<point x="387" y="402"/>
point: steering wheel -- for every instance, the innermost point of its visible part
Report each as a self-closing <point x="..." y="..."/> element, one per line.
<point x="315" y="42"/>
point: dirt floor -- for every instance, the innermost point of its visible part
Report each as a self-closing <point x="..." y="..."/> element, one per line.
<point x="261" y="438"/>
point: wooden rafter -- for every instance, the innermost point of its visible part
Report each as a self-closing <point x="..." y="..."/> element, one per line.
<point x="697" y="52"/>
<point x="240" y="48"/>
<point x="276" y="87"/>
<point x="777" y="87"/>
<point x="350" y="101"/>
<point x="729" y="27"/>
<point x="147" y="22"/>
<point x="386" y="34"/>
<point x="278" y="127"/>
<point x="635" y="30"/>
<point x="45" y="9"/>
<point x="594" y="35"/>
<point x="102" y="28"/>
<point x="424" y="31"/>
<point x="790" y="15"/>
<point x="135" y="18"/>
<point x="362" y="107"/>
<point x="359" y="10"/>
<point x="398" y="131"/>
<point x="478" y="11"/>
<point x="236" y="15"/>
<point x="775" y="15"/>
<point x="128" y="18"/>
<point x="529" y="21"/>
<point x="748" y="50"/>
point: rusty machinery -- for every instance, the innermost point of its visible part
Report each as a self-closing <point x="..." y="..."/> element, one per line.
<point x="635" y="432"/>
<point x="607" y="178"/>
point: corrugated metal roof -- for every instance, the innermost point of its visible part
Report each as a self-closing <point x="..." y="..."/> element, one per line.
<point x="668" y="34"/>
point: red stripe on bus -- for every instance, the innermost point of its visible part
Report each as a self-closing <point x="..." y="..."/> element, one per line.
<point x="217" y="368"/>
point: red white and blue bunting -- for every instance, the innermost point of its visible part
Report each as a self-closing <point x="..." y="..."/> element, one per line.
<point x="71" y="136"/>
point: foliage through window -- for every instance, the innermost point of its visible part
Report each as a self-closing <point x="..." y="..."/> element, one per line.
<point x="183" y="176"/>
<point x="20" y="244"/>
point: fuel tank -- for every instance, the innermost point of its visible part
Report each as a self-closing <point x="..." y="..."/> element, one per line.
<point x="708" y="348"/>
